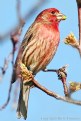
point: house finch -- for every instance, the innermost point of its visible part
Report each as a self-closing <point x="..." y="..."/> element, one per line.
<point x="37" y="50"/>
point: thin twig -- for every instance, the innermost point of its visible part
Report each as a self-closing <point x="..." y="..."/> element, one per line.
<point x="10" y="87"/>
<point x="62" y="75"/>
<point x="5" y="66"/>
<point x="15" y="38"/>
<point x="14" y="35"/>
<point x="26" y="17"/>
<point x="79" y="15"/>
<point x="73" y="41"/>
<point x="55" y="95"/>
<point x="8" y="99"/>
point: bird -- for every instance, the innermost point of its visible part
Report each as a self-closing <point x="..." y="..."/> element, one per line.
<point x="37" y="49"/>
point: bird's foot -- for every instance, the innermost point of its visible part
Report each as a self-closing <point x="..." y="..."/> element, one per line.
<point x="25" y="74"/>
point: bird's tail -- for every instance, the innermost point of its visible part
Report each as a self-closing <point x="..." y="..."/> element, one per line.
<point x="23" y="101"/>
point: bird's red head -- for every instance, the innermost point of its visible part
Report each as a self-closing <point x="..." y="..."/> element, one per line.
<point x="51" y="15"/>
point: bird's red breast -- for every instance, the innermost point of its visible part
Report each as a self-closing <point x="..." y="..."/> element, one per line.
<point x="41" y="49"/>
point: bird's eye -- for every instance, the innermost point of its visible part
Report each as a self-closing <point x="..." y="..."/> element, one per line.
<point x="53" y="12"/>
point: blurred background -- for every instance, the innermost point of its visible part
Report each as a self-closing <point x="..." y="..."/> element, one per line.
<point x="41" y="106"/>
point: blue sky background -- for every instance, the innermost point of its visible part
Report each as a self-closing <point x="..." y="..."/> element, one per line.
<point x="41" y="106"/>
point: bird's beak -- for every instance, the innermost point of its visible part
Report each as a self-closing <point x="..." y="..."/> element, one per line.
<point x="61" y="16"/>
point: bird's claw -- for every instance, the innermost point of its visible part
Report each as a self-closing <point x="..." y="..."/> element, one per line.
<point x="26" y="75"/>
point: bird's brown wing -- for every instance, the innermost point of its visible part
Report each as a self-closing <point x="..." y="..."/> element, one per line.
<point x="27" y="38"/>
<point x="29" y="35"/>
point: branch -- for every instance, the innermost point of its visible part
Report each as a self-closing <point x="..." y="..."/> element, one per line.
<point x="55" y="95"/>
<point x="62" y="75"/>
<point x="79" y="19"/>
<point x="27" y="76"/>
<point x="70" y="39"/>
<point x="4" y="69"/>
<point x="5" y="66"/>
<point x="15" y="36"/>
<point x="8" y="99"/>
<point x="26" y="17"/>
